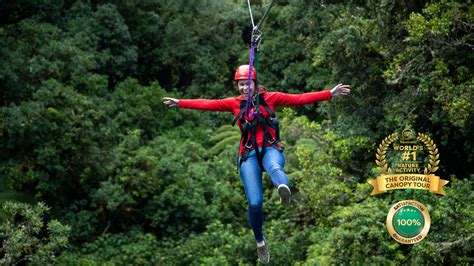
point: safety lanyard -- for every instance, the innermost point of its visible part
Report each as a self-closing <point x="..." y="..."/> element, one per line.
<point x="255" y="41"/>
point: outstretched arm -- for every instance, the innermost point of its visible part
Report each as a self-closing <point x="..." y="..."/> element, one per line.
<point x="201" y="104"/>
<point x="285" y="99"/>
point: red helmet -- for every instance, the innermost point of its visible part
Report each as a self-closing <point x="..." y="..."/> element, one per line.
<point x="242" y="72"/>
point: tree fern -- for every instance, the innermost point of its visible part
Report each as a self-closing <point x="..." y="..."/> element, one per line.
<point x="226" y="137"/>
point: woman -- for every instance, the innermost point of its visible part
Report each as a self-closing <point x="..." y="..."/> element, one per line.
<point x="259" y="130"/>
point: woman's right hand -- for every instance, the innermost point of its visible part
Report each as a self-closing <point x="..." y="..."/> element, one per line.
<point x="171" y="102"/>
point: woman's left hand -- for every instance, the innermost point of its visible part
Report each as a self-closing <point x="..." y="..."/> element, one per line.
<point x="171" y="102"/>
<point x="341" y="90"/>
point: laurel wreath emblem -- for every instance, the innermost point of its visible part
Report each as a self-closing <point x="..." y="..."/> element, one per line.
<point x="433" y="150"/>
<point x="381" y="154"/>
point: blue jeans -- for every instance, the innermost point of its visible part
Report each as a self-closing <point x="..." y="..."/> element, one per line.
<point x="251" y="175"/>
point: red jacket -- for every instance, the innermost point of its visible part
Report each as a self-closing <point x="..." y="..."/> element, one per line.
<point x="273" y="99"/>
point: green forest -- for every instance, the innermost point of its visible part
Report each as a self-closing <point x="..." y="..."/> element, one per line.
<point x="96" y="170"/>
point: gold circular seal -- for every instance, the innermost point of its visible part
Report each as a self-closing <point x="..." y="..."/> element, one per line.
<point x="408" y="221"/>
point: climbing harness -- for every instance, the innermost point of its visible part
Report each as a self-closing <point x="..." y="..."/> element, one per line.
<point x="249" y="141"/>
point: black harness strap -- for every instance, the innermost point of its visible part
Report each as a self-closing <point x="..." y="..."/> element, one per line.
<point x="243" y="105"/>
<point x="272" y="121"/>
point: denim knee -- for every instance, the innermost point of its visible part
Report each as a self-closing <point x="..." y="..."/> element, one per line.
<point x="274" y="167"/>
<point x="256" y="206"/>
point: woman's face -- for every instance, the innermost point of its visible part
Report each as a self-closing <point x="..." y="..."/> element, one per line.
<point x="242" y="85"/>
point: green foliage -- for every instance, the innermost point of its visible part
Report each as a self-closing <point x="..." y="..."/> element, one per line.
<point x="13" y="196"/>
<point x="317" y="159"/>
<point x="56" y="135"/>
<point x="218" y="244"/>
<point x="355" y="233"/>
<point x="115" y="53"/>
<point x="27" y="238"/>
<point x="444" y="74"/>
<point x="21" y="72"/>
<point x="133" y="247"/>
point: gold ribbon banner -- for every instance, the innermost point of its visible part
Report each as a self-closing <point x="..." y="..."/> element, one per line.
<point x="431" y="182"/>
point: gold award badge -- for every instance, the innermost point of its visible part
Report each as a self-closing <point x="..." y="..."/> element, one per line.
<point x="407" y="162"/>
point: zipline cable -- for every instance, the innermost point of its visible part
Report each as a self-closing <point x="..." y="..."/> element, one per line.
<point x="251" y="16"/>
<point x="264" y="15"/>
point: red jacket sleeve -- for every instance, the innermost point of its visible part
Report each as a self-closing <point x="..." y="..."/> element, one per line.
<point x="285" y="99"/>
<point x="209" y="105"/>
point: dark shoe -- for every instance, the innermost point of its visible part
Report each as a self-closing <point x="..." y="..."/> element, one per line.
<point x="285" y="195"/>
<point x="263" y="254"/>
